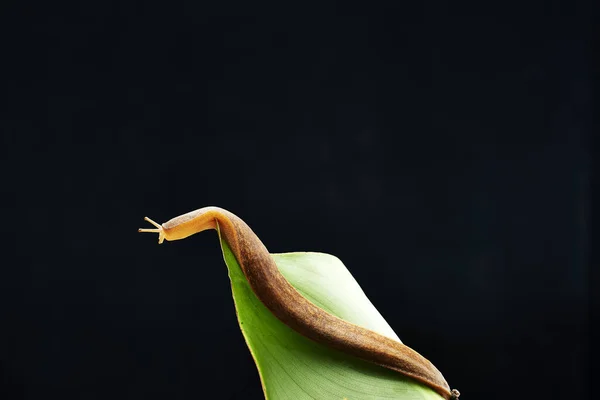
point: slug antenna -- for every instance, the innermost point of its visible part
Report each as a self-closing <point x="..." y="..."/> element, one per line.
<point x="159" y="230"/>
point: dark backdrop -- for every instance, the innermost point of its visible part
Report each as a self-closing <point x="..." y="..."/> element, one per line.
<point x="439" y="150"/>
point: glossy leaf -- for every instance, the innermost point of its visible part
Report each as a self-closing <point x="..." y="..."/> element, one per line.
<point x="292" y="367"/>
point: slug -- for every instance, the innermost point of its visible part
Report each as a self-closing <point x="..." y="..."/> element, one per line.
<point x="294" y="310"/>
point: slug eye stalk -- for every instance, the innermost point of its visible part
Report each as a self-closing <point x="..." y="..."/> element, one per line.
<point x="159" y="229"/>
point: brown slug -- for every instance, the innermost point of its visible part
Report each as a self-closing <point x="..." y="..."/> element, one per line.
<point x="294" y="310"/>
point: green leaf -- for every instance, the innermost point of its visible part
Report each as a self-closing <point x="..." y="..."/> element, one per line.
<point x="292" y="367"/>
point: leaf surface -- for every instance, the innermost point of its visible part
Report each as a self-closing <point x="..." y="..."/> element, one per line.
<point x="292" y="367"/>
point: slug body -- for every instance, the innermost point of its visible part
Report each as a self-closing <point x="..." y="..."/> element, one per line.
<point x="289" y="306"/>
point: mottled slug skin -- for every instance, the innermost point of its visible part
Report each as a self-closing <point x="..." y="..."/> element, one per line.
<point x="289" y="306"/>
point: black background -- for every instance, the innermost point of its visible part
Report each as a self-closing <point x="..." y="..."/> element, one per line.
<point x="440" y="150"/>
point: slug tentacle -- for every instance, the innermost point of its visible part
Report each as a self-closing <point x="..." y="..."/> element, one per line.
<point x="293" y="309"/>
<point x="159" y="230"/>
